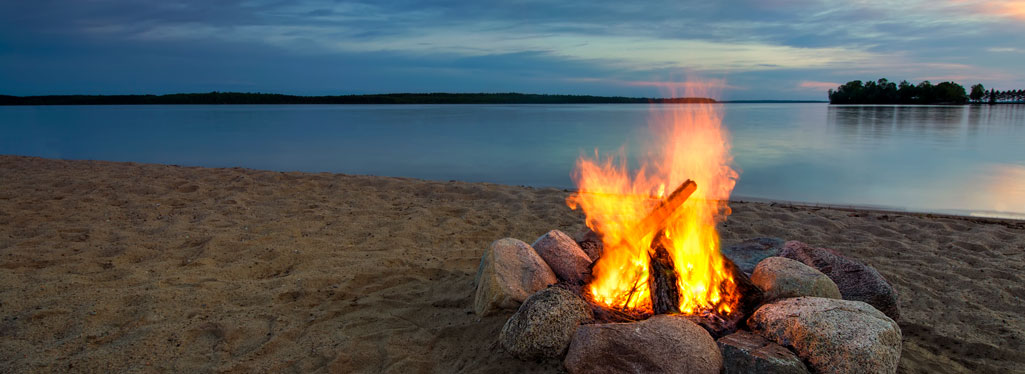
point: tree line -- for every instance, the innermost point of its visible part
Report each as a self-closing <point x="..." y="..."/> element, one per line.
<point x="398" y="98"/>
<point x="980" y="95"/>
<point x="883" y="91"/>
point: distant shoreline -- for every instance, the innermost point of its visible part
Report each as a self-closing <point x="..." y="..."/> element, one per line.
<point x="239" y="98"/>
<point x="230" y="98"/>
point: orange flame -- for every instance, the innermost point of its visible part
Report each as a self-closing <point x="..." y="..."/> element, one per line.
<point x="692" y="145"/>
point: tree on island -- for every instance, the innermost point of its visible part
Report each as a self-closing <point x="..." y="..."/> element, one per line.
<point x="1008" y="96"/>
<point x="885" y="92"/>
<point x="978" y="92"/>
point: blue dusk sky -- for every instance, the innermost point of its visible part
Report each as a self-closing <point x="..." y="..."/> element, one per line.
<point x="773" y="49"/>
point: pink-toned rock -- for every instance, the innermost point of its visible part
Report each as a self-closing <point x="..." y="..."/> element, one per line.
<point x="564" y="256"/>
<point x="509" y="272"/>
<point x="831" y="335"/>
<point x="660" y="344"/>
<point x="856" y="280"/>
<point x="781" y="277"/>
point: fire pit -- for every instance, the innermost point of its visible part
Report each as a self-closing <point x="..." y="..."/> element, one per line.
<point x="714" y="293"/>
<point x="652" y="291"/>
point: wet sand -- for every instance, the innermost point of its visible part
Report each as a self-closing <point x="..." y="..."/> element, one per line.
<point x="154" y="268"/>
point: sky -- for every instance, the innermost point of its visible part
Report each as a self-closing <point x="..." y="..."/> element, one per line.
<point x="771" y="49"/>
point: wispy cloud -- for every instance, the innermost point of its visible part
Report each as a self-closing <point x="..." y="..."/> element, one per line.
<point x="1005" y="50"/>
<point x="695" y="83"/>
<point x="773" y="47"/>
<point x="1010" y="9"/>
<point x="623" y="52"/>
<point x="818" y="85"/>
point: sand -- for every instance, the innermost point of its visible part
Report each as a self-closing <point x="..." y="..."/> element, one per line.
<point x="154" y="268"/>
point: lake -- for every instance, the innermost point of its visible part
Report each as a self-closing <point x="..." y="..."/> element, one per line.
<point x="945" y="159"/>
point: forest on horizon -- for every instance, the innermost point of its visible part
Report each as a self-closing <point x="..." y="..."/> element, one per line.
<point x="397" y="98"/>
<point x="884" y="91"/>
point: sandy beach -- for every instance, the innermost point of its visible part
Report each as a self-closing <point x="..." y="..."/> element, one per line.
<point x="122" y="267"/>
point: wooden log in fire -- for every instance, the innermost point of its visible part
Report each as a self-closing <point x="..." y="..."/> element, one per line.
<point x="662" y="279"/>
<point x="656" y="219"/>
<point x="751" y="298"/>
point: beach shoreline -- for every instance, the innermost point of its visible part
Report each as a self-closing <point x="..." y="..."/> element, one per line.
<point x="113" y="266"/>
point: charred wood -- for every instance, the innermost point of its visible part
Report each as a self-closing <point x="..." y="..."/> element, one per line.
<point x="662" y="279"/>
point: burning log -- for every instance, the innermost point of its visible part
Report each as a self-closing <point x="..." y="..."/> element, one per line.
<point x="665" y="294"/>
<point x="751" y="298"/>
<point x="664" y="291"/>
<point x="662" y="279"/>
<point x="656" y="219"/>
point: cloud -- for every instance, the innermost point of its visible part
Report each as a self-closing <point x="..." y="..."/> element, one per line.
<point x="758" y="47"/>
<point x="970" y="77"/>
<point x="623" y="52"/>
<point x="1005" y="50"/>
<point x="1010" y="9"/>
<point x="694" y="86"/>
<point x="818" y="85"/>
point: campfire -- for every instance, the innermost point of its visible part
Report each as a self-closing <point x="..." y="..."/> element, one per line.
<point x="667" y="273"/>
<point x="661" y="251"/>
<point x="648" y="287"/>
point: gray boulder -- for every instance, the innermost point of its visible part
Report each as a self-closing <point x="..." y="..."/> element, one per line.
<point x="660" y="344"/>
<point x="564" y="256"/>
<point x="832" y="336"/>
<point x="590" y="242"/>
<point x="856" y="280"/>
<point x="510" y="271"/>
<point x="744" y="352"/>
<point x="544" y="325"/>
<point x="750" y="252"/>
<point x="781" y="277"/>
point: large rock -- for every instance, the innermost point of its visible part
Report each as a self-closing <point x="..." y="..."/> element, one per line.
<point x="856" y="281"/>
<point x="781" y="277"/>
<point x="833" y="336"/>
<point x="750" y="252"/>
<point x="510" y="271"/>
<point x="590" y="242"/>
<point x="564" y="256"/>
<point x="545" y="323"/>
<point x="744" y="352"/>
<point x="660" y="344"/>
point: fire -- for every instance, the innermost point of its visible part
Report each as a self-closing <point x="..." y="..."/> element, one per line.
<point x="692" y="145"/>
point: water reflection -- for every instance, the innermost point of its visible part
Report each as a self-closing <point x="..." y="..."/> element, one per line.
<point x="959" y="159"/>
<point x="869" y="124"/>
<point x="963" y="159"/>
<point x="1001" y="188"/>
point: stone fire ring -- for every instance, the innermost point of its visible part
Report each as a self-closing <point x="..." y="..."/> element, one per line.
<point x="823" y="313"/>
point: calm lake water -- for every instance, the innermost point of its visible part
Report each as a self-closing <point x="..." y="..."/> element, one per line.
<point x="947" y="159"/>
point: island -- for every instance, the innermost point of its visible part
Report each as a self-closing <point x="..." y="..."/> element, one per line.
<point x="884" y="91"/>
